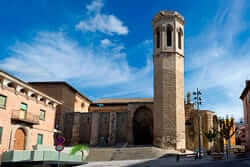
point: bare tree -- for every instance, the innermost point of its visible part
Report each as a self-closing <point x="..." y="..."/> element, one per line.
<point x="210" y="135"/>
<point x="227" y="130"/>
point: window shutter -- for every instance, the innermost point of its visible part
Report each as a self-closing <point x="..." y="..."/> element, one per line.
<point x="39" y="139"/>
<point x="1" y="132"/>
<point x="23" y="106"/>
<point x="42" y="115"/>
<point x="2" y="101"/>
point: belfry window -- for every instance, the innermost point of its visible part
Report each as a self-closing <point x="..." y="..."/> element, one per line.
<point x="158" y="38"/>
<point x="169" y="36"/>
<point x="180" y="38"/>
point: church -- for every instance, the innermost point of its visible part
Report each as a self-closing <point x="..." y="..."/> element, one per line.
<point x="166" y="121"/>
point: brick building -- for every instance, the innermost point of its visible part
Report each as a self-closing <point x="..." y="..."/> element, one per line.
<point x="73" y="100"/>
<point x="245" y="98"/>
<point x="27" y="116"/>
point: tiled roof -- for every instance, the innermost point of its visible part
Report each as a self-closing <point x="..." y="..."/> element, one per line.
<point x="124" y="100"/>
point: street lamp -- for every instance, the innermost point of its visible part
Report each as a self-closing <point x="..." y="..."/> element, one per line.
<point x="197" y="100"/>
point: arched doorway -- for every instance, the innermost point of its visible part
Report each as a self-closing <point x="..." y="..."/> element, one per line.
<point x="143" y="126"/>
<point x="19" y="139"/>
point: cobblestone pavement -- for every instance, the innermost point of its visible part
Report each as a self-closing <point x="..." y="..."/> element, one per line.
<point x="166" y="162"/>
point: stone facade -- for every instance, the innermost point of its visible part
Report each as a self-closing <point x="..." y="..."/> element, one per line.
<point x="169" y="114"/>
<point x="110" y="124"/>
<point x="20" y="128"/>
<point x="104" y="126"/>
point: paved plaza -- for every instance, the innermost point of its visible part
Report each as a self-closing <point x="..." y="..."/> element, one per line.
<point x="166" y="162"/>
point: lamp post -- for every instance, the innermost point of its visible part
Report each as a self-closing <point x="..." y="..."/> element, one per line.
<point x="197" y="100"/>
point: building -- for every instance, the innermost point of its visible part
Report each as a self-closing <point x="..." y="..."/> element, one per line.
<point x="112" y="122"/>
<point x="208" y="122"/>
<point x="245" y="98"/>
<point x="243" y="135"/>
<point x="167" y="130"/>
<point x="165" y="120"/>
<point x="73" y="100"/>
<point x="27" y="116"/>
<point x="161" y="121"/>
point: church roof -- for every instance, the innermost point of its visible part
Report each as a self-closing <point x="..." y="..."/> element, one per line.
<point x="207" y="111"/>
<point x="124" y="100"/>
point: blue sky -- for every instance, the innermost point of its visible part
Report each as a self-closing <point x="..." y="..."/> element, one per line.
<point x="104" y="47"/>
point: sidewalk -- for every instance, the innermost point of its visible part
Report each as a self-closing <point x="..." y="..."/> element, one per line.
<point x="171" y="161"/>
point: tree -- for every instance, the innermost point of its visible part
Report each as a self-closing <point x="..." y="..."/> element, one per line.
<point x="210" y="135"/>
<point x="227" y="130"/>
<point x="80" y="148"/>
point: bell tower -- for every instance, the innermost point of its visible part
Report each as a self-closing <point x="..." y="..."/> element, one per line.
<point x="169" y="113"/>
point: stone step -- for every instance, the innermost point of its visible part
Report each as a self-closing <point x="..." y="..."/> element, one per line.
<point x="130" y="153"/>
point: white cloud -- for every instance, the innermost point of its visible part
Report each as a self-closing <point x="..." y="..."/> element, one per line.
<point x="108" y="24"/>
<point x="105" y="23"/>
<point x="95" y="6"/>
<point x="53" y="56"/>
<point x="106" y="42"/>
<point x="219" y="63"/>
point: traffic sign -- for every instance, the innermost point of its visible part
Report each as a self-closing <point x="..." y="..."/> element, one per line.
<point x="59" y="148"/>
<point x="60" y="140"/>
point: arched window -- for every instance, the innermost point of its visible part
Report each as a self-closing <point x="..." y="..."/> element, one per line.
<point x="180" y="33"/>
<point x="169" y="35"/>
<point x="158" y="36"/>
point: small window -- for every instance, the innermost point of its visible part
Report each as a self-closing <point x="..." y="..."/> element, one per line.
<point x="39" y="139"/>
<point x="180" y="33"/>
<point x="24" y="107"/>
<point x="2" y="101"/>
<point x="169" y="35"/>
<point x="158" y="38"/>
<point x="1" y="133"/>
<point x="42" y="115"/>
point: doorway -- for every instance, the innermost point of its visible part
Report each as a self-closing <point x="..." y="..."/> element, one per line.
<point x="143" y="126"/>
<point x="19" y="139"/>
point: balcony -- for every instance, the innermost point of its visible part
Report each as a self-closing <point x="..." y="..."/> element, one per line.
<point x="27" y="117"/>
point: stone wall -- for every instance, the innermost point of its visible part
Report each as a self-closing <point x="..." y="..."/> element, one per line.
<point x="68" y="133"/>
<point x="103" y="133"/>
<point x="102" y="128"/>
<point x="96" y="128"/>
<point x="121" y="127"/>
<point x="112" y="128"/>
<point x="85" y="127"/>
<point x="77" y="128"/>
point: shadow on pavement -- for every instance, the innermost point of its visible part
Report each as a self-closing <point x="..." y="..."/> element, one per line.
<point x="170" y="160"/>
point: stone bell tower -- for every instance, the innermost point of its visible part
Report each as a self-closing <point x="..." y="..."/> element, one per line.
<point x="169" y="113"/>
